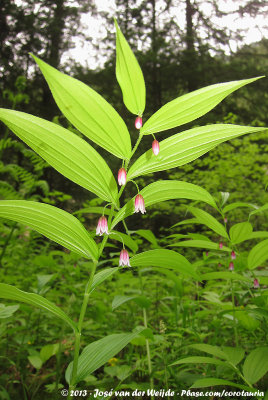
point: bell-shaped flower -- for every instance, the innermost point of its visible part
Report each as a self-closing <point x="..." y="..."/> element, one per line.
<point x="231" y="266"/>
<point x="124" y="258"/>
<point x="102" y="226"/>
<point x="256" y="283"/>
<point x="220" y="245"/>
<point x="122" y="177"/>
<point x="233" y="255"/>
<point x="139" y="204"/>
<point x="155" y="147"/>
<point x="138" y="123"/>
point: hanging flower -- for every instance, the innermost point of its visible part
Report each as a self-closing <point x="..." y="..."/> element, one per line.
<point x="220" y="245"/>
<point x="233" y="255"/>
<point x="122" y="177"/>
<point x="231" y="266"/>
<point x="256" y="283"/>
<point x="102" y="226"/>
<point x="155" y="147"/>
<point x="139" y="204"/>
<point x="124" y="258"/>
<point x="225" y="220"/>
<point x="138" y="123"/>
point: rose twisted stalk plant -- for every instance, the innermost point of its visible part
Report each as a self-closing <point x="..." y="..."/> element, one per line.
<point x="77" y="160"/>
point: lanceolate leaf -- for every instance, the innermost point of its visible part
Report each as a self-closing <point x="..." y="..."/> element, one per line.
<point x="98" y="353"/>
<point x="166" y="190"/>
<point x="102" y="276"/>
<point x="186" y="146"/>
<point x="228" y="275"/>
<point x="203" y="244"/>
<point x="89" y="112"/>
<point x="256" y="365"/>
<point x="129" y="75"/>
<point x="210" y="382"/>
<point x="52" y="222"/>
<point x="190" y="106"/>
<point x="258" y="254"/>
<point x="206" y="219"/>
<point x="72" y="156"/>
<point x="199" y="360"/>
<point x="12" y="293"/>
<point x="165" y="259"/>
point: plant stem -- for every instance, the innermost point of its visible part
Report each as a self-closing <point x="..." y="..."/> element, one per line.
<point x="147" y="341"/>
<point x="234" y="321"/>
<point x="80" y="323"/>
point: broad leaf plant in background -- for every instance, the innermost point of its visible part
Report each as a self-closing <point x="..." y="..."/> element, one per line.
<point x="78" y="161"/>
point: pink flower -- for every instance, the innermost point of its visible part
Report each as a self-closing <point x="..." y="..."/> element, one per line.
<point x="219" y="265"/>
<point x="138" y="123"/>
<point x="231" y="266"/>
<point x="233" y="256"/>
<point x="139" y="204"/>
<point x="155" y="147"/>
<point x="256" y="283"/>
<point x="124" y="258"/>
<point x="102" y="226"/>
<point x="122" y="177"/>
<point x="220" y="245"/>
<point x="225" y="220"/>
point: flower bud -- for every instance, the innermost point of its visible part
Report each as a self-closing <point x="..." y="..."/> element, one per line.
<point x="233" y="255"/>
<point x="124" y="258"/>
<point x="256" y="283"/>
<point x="138" y="123"/>
<point x="155" y="147"/>
<point x="225" y="220"/>
<point x="139" y="204"/>
<point x="231" y="266"/>
<point x="122" y="177"/>
<point x="102" y="226"/>
<point x="220" y="245"/>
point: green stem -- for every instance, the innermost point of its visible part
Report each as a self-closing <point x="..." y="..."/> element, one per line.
<point x="88" y="287"/>
<point x="80" y="323"/>
<point x="147" y="341"/>
<point x="234" y="322"/>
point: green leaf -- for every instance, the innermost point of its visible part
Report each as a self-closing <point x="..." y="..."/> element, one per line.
<point x="258" y="254"/>
<point x="98" y="353"/>
<point x="206" y="219"/>
<point x="238" y="204"/>
<point x="234" y="354"/>
<point x="190" y="106"/>
<point x="89" y="112"/>
<point x="259" y="210"/>
<point x="102" y="276"/>
<point x="240" y="232"/>
<point x="247" y="320"/>
<point x="199" y="360"/>
<point x="128" y="241"/>
<point x="207" y="382"/>
<point x="70" y="155"/>
<point x="203" y="244"/>
<point x="48" y="351"/>
<point x="207" y="348"/>
<point x="12" y="293"/>
<point x="35" y="361"/>
<point x="52" y="222"/>
<point x="148" y="235"/>
<point x="256" y="365"/>
<point x="129" y="75"/>
<point x="224" y="275"/>
<point x="186" y="146"/>
<point x="7" y="311"/>
<point x="166" y="259"/>
<point x="166" y="190"/>
<point x="141" y="301"/>
<point x="258" y="234"/>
